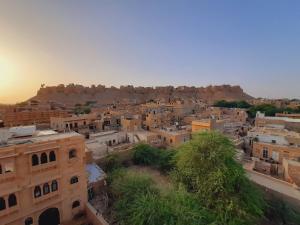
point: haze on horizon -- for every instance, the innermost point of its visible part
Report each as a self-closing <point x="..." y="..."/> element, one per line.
<point x="254" y="44"/>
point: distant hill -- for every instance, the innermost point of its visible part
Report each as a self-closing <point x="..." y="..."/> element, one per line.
<point x="72" y="94"/>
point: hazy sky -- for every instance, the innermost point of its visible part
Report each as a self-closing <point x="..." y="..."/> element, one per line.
<point x="255" y="44"/>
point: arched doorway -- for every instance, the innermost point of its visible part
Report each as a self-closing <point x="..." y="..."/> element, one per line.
<point x="49" y="217"/>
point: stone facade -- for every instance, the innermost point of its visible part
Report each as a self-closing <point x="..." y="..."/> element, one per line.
<point x="42" y="178"/>
<point x="36" y="117"/>
<point x="173" y="138"/>
<point x="275" y="152"/>
<point x="292" y="171"/>
<point x="207" y="125"/>
<point x="81" y="123"/>
<point x="131" y="123"/>
<point x="288" y="123"/>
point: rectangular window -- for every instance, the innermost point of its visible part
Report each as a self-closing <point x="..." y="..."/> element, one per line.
<point x="265" y="152"/>
<point x="9" y="167"/>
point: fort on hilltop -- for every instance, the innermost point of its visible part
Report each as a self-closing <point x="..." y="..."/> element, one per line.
<point x="73" y="93"/>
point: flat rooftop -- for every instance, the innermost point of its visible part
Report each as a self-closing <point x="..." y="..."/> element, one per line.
<point x="104" y="133"/>
<point x="286" y="119"/>
<point x="39" y="136"/>
<point x="276" y="131"/>
<point x="173" y="131"/>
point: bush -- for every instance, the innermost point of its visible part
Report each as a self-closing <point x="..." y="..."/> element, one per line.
<point x="166" y="160"/>
<point x="127" y="185"/>
<point x="139" y="203"/>
<point x="206" y="167"/>
<point x="147" y="155"/>
<point x="111" y="163"/>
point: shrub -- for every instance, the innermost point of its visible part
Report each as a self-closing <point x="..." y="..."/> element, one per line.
<point x="139" y="203"/>
<point x="111" y="163"/>
<point x="147" y="155"/>
<point x="206" y="167"/>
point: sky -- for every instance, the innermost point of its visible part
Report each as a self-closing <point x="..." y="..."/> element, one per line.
<point x="254" y="44"/>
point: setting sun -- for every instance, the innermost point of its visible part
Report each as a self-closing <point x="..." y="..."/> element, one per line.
<point x="7" y="73"/>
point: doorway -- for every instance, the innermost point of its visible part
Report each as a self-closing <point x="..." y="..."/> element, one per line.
<point x="49" y="217"/>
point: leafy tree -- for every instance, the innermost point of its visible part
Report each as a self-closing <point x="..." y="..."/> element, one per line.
<point x="232" y="104"/>
<point x="243" y="105"/>
<point x="206" y="166"/>
<point x="80" y="109"/>
<point x="145" y="154"/>
<point x="166" y="160"/>
<point x="111" y="163"/>
<point x="270" y="110"/>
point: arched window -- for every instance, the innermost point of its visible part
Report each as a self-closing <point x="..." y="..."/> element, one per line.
<point x="72" y="153"/>
<point x="2" y="204"/>
<point x="37" y="191"/>
<point x="12" y="200"/>
<point x="46" y="188"/>
<point x="44" y="158"/>
<point x="52" y="156"/>
<point x="74" y="180"/>
<point x="75" y="204"/>
<point x="54" y="185"/>
<point x="29" y="221"/>
<point x="34" y="160"/>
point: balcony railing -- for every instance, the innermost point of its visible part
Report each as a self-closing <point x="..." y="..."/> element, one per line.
<point x="9" y="211"/>
<point x="46" y="197"/>
<point x="44" y="167"/>
<point x="7" y="177"/>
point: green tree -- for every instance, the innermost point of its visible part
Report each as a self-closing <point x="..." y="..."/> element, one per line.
<point x="268" y="109"/>
<point x="144" y="154"/>
<point x="206" y="167"/>
<point x="232" y="104"/>
<point x="111" y="162"/>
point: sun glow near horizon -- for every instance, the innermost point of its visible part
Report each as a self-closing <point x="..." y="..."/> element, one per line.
<point x="9" y="81"/>
<point x="8" y="73"/>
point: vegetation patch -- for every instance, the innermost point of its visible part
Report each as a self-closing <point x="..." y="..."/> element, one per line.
<point x="268" y="109"/>
<point x="206" y="186"/>
<point x="150" y="156"/>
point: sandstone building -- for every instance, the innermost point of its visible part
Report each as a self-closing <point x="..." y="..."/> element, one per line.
<point x="276" y="151"/>
<point x="81" y="123"/>
<point x="36" y="117"/>
<point x="131" y="123"/>
<point x="42" y="178"/>
<point x="284" y="122"/>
